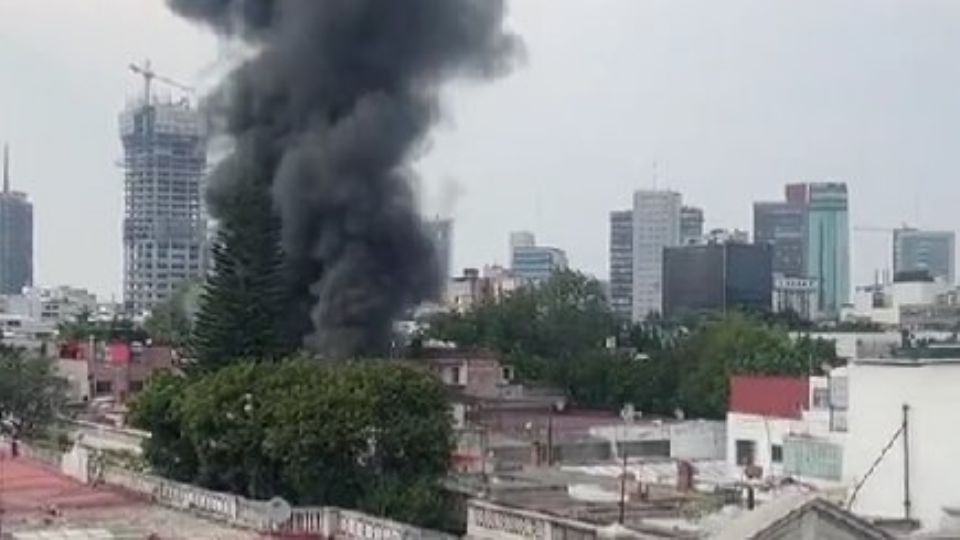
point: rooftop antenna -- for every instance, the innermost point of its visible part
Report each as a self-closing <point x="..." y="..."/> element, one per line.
<point x="6" y="168"/>
<point x="656" y="176"/>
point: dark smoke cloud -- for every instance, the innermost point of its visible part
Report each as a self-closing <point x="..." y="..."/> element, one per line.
<point x="339" y="97"/>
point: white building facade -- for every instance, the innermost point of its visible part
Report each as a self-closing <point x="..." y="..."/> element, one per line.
<point x="916" y="475"/>
<point x="656" y="225"/>
<point x="788" y="427"/>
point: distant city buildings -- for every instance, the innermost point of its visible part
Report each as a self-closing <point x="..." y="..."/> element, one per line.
<point x="16" y="235"/>
<point x="913" y="300"/>
<point x="931" y="251"/>
<point x="656" y="225"/>
<point x="164" y="226"/>
<point x="716" y="277"/>
<point x="621" y="263"/>
<point x="533" y="262"/>
<point x="724" y="236"/>
<point x="55" y="305"/>
<point x="810" y="236"/>
<point x="691" y="225"/>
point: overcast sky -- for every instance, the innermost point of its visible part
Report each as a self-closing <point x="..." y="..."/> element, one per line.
<point x="731" y="98"/>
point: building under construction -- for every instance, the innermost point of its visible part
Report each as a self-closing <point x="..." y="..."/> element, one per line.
<point x="164" y="229"/>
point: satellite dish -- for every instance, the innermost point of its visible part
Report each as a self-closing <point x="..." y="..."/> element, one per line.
<point x="278" y="510"/>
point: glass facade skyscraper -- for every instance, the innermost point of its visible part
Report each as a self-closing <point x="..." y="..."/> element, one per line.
<point x="929" y="251"/>
<point x="828" y="245"/>
<point x="16" y="236"/>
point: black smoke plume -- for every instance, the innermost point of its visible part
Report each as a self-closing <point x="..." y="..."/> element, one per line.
<point x="338" y="98"/>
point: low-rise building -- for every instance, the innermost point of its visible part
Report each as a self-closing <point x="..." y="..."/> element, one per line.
<point x="786" y="427"/>
<point x="111" y="370"/>
<point x="885" y="303"/>
<point x="56" y="305"/>
<point x="795" y="295"/>
<point x="27" y="333"/>
<point x="474" y="288"/>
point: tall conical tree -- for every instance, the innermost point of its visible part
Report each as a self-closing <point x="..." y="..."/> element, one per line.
<point x="243" y="297"/>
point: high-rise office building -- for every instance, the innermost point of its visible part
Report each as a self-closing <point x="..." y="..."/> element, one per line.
<point x="931" y="251"/>
<point x="828" y="245"/>
<point x="531" y="262"/>
<point x="621" y="263"/>
<point x="440" y="233"/>
<point x="717" y="277"/>
<point x="656" y="225"/>
<point x="691" y="225"/>
<point x="16" y="236"/>
<point x="164" y="228"/>
<point x="783" y="225"/>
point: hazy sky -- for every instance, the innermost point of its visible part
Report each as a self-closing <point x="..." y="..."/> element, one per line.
<point x="731" y="98"/>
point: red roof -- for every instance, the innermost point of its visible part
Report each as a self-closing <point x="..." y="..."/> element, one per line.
<point x="782" y="397"/>
<point x="120" y="353"/>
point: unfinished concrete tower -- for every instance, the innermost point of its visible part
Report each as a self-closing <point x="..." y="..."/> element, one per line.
<point x="164" y="228"/>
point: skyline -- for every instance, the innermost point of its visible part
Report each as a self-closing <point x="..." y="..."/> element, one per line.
<point x="869" y="102"/>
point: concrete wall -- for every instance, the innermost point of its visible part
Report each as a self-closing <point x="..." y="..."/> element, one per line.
<point x="694" y="439"/>
<point x="488" y="521"/>
<point x="877" y="393"/>
<point x="325" y="522"/>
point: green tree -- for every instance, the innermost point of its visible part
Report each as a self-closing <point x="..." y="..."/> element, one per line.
<point x="157" y="410"/>
<point x="31" y="395"/>
<point x="538" y="327"/>
<point x="243" y="298"/>
<point x="556" y="334"/>
<point x="369" y="435"/>
<point x="738" y="345"/>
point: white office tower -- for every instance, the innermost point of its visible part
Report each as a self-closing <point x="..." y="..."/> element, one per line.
<point x="656" y="225"/>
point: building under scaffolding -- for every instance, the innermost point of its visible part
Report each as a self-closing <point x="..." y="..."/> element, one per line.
<point x="164" y="229"/>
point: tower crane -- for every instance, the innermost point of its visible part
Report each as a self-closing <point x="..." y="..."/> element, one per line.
<point x="149" y="75"/>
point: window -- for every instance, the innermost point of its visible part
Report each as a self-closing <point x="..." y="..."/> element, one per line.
<point x="103" y="387"/>
<point x="821" y="398"/>
<point x="746" y="452"/>
<point x="136" y="386"/>
<point x="776" y="453"/>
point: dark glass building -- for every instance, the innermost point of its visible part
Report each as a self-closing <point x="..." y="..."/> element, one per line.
<point x="621" y="263"/>
<point x="16" y="236"/>
<point x="717" y="277"/>
<point x="783" y="225"/>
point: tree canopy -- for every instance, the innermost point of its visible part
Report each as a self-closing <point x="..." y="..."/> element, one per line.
<point x="559" y="334"/>
<point x="369" y="435"/>
<point x="243" y="298"/>
<point x="31" y="394"/>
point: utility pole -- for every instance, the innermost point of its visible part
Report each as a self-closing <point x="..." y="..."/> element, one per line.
<point x="623" y="484"/>
<point x="906" y="461"/>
